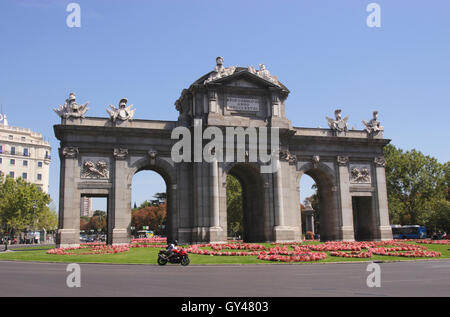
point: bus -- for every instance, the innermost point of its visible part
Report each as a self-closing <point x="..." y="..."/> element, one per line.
<point x="409" y="232"/>
<point x="145" y="234"/>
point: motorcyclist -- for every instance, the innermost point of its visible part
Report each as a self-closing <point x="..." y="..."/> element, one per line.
<point x="170" y="248"/>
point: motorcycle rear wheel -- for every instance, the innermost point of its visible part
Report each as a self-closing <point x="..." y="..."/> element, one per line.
<point x="162" y="261"/>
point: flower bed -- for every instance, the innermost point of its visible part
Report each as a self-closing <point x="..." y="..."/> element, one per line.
<point x="237" y="246"/>
<point x="434" y="241"/>
<point x="149" y="240"/>
<point x="136" y="245"/>
<point x="92" y="249"/>
<point x="307" y="257"/>
<point x="195" y="249"/>
<point x="411" y="254"/>
<point x="352" y="254"/>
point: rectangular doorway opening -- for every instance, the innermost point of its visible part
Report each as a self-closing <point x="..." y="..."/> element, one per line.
<point x="363" y="220"/>
<point x="94" y="219"/>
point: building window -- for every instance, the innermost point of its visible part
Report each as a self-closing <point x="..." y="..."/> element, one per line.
<point x="12" y="161"/>
<point x="13" y="150"/>
<point x="39" y="164"/>
<point x="24" y="175"/>
<point x="0" y="160"/>
<point x="1" y="148"/>
<point x="10" y="137"/>
<point x="11" y="174"/>
<point x="25" y="163"/>
<point x="39" y="177"/>
<point x="25" y="152"/>
<point x="22" y="138"/>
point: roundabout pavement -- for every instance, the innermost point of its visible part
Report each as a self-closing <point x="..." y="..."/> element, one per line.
<point x="411" y="278"/>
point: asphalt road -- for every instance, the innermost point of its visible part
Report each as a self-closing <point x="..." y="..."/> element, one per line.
<point x="419" y="278"/>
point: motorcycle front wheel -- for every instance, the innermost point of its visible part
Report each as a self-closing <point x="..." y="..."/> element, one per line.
<point x="162" y="261"/>
<point x="185" y="261"/>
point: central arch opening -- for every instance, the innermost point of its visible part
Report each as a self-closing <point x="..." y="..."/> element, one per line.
<point x="252" y="215"/>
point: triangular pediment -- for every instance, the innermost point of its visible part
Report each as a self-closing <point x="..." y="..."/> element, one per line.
<point x="242" y="77"/>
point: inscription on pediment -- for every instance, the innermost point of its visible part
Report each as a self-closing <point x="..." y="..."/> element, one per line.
<point x="242" y="103"/>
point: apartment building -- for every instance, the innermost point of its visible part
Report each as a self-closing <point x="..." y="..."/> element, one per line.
<point x="25" y="154"/>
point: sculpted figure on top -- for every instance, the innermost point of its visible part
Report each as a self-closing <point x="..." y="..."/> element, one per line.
<point x="338" y="124"/>
<point x="122" y="113"/>
<point x="263" y="72"/>
<point x="373" y="127"/>
<point x="71" y="109"/>
<point x="220" y="70"/>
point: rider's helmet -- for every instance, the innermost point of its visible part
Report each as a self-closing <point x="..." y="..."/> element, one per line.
<point x="175" y="242"/>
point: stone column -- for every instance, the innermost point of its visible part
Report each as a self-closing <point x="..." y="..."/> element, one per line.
<point x="215" y="228"/>
<point x="279" y="219"/>
<point x="384" y="228"/>
<point x="69" y="200"/>
<point x="346" y="228"/>
<point x="119" y="226"/>
<point x="281" y="231"/>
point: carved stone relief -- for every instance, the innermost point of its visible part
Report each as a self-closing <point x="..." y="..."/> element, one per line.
<point x="360" y="174"/>
<point x="95" y="169"/>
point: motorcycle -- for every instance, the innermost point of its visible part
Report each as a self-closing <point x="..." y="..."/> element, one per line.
<point x="179" y="256"/>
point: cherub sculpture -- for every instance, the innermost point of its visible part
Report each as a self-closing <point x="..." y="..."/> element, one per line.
<point x="122" y="113"/>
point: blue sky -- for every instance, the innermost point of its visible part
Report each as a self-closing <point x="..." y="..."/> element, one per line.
<point x="148" y="51"/>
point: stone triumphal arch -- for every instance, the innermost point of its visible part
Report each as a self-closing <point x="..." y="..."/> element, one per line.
<point x="99" y="157"/>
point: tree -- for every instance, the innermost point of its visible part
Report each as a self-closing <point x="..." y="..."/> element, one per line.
<point x="234" y="207"/>
<point x="48" y="220"/>
<point x="416" y="183"/>
<point x="151" y="216"/>
<point x="84" y="223"/>
<point x="97" y="223"/>
<point x="160" y="197"/>
<point x="23" y="206"/>
<point x="99" y="213"/>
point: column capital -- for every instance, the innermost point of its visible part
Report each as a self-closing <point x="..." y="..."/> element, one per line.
<point x="69" y="152"/>
<point x="342" y="160"/>
<point x="380" y="161"/>
<point x="120" y="154"/>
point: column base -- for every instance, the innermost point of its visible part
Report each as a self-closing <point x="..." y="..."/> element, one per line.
<point x="385" y="233"/>
<point x="67" y="238"/>
<point x="286" y="234"/>
<point x="216" y="235"/>
<point x="347" y="233"/>
<point x="120" y="236"/>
